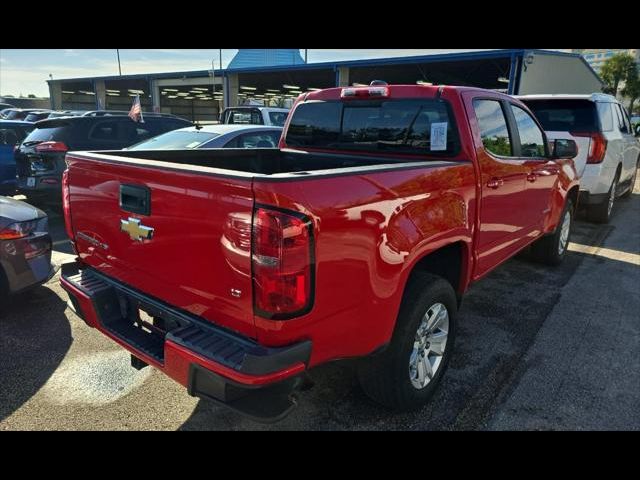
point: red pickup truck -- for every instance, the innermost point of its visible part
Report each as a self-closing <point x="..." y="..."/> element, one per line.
<point x="236" y="271"/>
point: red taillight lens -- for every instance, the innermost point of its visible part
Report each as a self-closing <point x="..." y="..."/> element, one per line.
<point x="283" y="265"/>
<point x="66" y="197"/>
<point x="52" y="147"/>
<point x="597" y="146"/>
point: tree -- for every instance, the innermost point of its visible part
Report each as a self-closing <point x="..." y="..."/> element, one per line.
<point x="618" y="69"/>
<point x="631" y="90"/>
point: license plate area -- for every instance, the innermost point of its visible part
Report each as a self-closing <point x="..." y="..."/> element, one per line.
<point x="139" y="324"/>
<point x="31" y="181"/>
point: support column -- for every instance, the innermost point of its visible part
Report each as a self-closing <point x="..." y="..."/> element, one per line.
<point x="101" y="94"/>
<point x="343" y="77"/>
<point x="155" y="95"/>
<point x="231" y="90"/>
<point x="55" y="95"/>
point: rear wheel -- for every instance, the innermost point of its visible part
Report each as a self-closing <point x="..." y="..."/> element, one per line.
<point x="408" y="372"/>
<point x="552" y="249"/>
<point x="601" y="213"/>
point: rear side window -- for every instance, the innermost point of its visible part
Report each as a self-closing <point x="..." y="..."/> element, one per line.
<point x="606" y="118"/>
<point x="493" y="127"/>
<point x="531" y="138"/>
<point x="9" y="137"/>
<point x="403" y="126"/>
<point x="105" y="131"/>
<point x="565" y="115"/>
<point x="255" y="140"/>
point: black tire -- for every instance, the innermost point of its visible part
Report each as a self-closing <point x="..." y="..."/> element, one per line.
<point x="629" y="191"/>
<point x="547" y="249"/>
<point x="385" y="377"/>
<point x="601" y="213"/>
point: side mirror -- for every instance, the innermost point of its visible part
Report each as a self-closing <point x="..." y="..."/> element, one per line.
<point x="637" y="130"/>
<point x="564" y="149"/>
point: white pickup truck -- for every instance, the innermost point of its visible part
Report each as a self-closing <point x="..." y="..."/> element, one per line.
<point x="255" y="115"/>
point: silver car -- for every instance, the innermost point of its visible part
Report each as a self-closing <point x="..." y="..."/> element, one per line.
<point x="25" y="247"/>
<point x="214" y="136"/>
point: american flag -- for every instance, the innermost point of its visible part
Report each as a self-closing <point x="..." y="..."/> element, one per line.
<point x="136" y="110"/>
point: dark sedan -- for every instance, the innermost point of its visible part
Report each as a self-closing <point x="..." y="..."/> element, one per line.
<point x="25" y="247"/>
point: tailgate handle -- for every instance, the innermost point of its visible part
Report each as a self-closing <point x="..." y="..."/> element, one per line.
<point x="135" y="199"/>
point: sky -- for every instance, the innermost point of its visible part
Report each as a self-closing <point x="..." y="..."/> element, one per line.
<point x="25" y="71"/>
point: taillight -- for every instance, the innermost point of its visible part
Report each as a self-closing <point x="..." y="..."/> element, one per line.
<point x="18" y="230"/>
<point x="66" y="197"/>
<point x="365" y="92"/>
<point x="597" y="146"/>
<point x="283" y="263"/>
<point x="53" y="147"/>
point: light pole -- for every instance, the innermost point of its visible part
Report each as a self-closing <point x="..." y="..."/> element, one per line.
<point x="119" y="68"/>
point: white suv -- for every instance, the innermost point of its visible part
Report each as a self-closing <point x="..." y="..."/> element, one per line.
<point x="608" y="152"/>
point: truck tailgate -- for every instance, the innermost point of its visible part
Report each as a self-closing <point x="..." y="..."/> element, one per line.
<point x="197" y="255"/>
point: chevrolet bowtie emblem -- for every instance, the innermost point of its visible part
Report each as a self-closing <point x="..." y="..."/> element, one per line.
<point x="135" y="230"/>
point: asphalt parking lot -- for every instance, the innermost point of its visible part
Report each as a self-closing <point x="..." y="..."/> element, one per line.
<point x="538" y="348"/>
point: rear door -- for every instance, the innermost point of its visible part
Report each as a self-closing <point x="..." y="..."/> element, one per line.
<point x="504" y="218"/>
<point x="197" y="256"/>
<point x="542" y="173"/>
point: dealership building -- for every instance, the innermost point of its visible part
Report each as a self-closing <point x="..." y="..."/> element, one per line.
<point x="277" y="77"/>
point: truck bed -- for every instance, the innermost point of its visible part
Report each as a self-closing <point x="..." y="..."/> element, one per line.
<point x="264" y="162"/>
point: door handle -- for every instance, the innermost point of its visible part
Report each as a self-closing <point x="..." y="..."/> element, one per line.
<point x="495" y="183"/>
<point x="532" y="177"/>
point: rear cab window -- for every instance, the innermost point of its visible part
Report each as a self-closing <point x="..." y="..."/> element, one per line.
<point x="413" y="126"/>
<point x="245" y="117"/>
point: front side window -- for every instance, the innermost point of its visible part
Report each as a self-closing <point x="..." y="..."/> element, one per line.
<point x="531" y="137"/>
<point x="396" y="126"/>
<point x="493" y="127"/>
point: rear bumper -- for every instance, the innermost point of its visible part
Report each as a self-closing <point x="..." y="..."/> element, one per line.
<point x="49" y="185"/>
<point x="212" y="363"/>
<point x="26" y="262"/>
